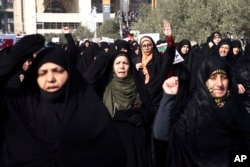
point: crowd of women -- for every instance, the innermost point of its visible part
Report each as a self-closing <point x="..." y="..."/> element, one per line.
<point x="124" y="104"/>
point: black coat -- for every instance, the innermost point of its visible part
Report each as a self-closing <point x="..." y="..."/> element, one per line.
<point x="201" y="133"/>
<point x="73" y="131"/>
<point x="133" y="124"/>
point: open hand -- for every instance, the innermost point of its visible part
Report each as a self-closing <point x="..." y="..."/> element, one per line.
<point x="167" y="28"/>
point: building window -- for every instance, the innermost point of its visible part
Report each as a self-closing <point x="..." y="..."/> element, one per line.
<point x="49" y="25"/>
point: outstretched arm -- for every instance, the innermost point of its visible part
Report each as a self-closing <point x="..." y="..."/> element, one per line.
<point x="167" y="31"/>
<point x="72" y="50"/>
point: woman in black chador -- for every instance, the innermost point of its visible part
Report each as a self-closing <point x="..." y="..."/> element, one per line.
<point x="54" y="119"/>
<point x="211" y="126"/>
<point x="126" y="98"/>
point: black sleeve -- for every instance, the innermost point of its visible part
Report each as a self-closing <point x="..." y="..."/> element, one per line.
<point x="164" y="118"/>
<point x="12" y="58"/>
<point x="72" y="50"/>
<point x="94" y="71"/>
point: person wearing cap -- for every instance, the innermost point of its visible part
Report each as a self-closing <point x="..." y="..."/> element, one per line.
<point x="210" y="125"/>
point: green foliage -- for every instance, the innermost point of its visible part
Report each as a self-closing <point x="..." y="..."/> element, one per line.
<point x="110" y="28"/>
<point x="196" y="19"/>
<point x="82" y="32"/>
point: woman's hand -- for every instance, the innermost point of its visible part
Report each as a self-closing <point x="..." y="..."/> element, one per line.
<point x="241" y="89"/>
<point x="167" y="28"/>
<point x="171" y="85"/>
<point x="138" y="66"/>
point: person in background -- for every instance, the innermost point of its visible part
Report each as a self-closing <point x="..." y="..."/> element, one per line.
<point x="209" y="48"/>
<point x="237" y="52"/>
<point x="183" y="70"/>
<point x="17" y="78"/>
<point x="224" y="49"/>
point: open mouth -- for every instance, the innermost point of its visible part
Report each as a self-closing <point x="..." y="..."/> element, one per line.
<point x="53" y="88"/>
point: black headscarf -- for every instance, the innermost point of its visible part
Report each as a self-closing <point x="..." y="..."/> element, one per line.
<point x="209" y="65"/>
<point x="88" y="57"/>
<point x="181" y="44"/>
<point x="158" y="69"/>
<point x="75" y="131"/>
<point x="121" y="91"/>
<point x="205" y="134"/>
<point x="228" y="42"/>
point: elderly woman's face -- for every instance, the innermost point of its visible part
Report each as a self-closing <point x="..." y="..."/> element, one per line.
<point x="224" y="50"/>
<point x="218" y="84"/>
<point x="121" y="66"/>
<point x="51" y="77"/>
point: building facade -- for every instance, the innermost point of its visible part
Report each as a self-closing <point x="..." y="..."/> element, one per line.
<point x="49" y="16"/>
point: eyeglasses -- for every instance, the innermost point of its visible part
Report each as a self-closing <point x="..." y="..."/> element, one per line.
<point x="147" y="46"/>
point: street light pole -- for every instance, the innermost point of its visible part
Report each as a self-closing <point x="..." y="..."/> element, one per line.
<point x="93" y="14"/>
<point x="153" y="3"/>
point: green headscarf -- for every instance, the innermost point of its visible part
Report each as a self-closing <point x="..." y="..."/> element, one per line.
<point x="121" y="93"/>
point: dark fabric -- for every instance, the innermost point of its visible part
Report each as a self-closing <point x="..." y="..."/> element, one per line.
<point x="206" y="50"/>
<point x="134" y="123"/>
<point x="201" y="133"/>
<point x="75" y="131"/>
<point x="242" y="74"/>
<point x="234" y="58"/>
<point x="197" y="57"/>
<point x="206" y="138"/>
<point x="14" y="81"/>
<point x="183" y="71"/>
<point x="122" y="44"/>
<point x="158" y="69"/>
<point x="88" y="57"/>
<point x="228" y="42"/>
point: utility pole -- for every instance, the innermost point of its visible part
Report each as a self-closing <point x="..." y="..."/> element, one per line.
<point x="153" y="3"/>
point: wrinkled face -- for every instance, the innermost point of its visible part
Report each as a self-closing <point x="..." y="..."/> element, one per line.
<point x="185" y="49"/>
<point x="147" y="47"/>
<point x="236" y="51"/>
<point x="216" y="39"/>
<point x="51" y="77"/>
<point x="224" y="50"/>
<point x="218" y="85"/>
<point x="121" y="66"/>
